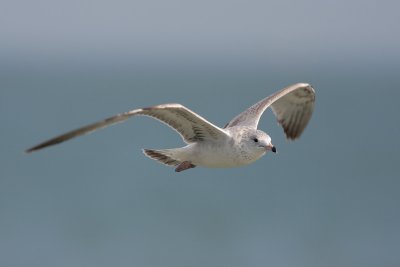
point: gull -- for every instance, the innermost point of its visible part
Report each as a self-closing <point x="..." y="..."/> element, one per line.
<point x="239" y="143"/>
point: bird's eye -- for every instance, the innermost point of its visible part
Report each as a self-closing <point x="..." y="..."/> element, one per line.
<point x="255" y="140"/>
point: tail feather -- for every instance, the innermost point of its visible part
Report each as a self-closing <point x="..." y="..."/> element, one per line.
<point x="164" y="156"/>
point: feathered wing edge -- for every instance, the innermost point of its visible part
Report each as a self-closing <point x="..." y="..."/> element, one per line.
<point x="188" y="124"/>
<point x="83" y="130"/>
<point x="292" y="106"/>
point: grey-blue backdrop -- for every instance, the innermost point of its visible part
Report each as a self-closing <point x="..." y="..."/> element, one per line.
<point x="329" y="199"/>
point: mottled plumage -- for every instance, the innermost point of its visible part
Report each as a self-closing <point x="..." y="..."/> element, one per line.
<point x="238" y="143"/>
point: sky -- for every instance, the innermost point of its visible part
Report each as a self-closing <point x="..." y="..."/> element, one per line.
<point x="275" y="31"/>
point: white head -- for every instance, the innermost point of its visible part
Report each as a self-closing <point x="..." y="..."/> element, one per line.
<point x="256" y="143"/>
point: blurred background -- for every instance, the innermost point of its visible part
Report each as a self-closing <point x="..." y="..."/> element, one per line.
<point x="328" y="199"/>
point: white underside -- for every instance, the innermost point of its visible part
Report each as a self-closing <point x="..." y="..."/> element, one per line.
<point x="215" y="155"/>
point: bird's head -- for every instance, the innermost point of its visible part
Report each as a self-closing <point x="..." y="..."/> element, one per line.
<point x="258" y="142"/>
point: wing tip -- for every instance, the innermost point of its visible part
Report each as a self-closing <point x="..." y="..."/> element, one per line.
<point x="36" y="148"/>
<point x="29" y="150"/>
<point x="292" y="137"/>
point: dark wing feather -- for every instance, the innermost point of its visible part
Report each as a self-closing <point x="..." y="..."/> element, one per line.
<point x="292" y="106"/>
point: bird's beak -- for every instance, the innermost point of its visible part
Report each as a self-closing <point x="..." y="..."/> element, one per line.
<point x="272" y="148"/>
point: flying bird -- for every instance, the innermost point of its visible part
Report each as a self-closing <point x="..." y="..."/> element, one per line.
<point x="238" y="143"/>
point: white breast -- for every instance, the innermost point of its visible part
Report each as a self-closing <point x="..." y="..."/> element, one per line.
<point x="218" y="155"/>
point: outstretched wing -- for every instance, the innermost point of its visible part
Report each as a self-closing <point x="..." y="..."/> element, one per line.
<point x="292" y="106"/>
<point x="189" y="125"/>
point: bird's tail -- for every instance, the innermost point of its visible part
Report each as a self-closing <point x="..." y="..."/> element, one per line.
<point x="165" y="156"/>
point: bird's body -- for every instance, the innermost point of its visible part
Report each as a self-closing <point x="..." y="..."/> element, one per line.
<point x="229" y="151"/>
<point x="238" y="143"/>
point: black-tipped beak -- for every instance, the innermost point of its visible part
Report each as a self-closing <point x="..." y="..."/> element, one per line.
<point x="271" y="147"/>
